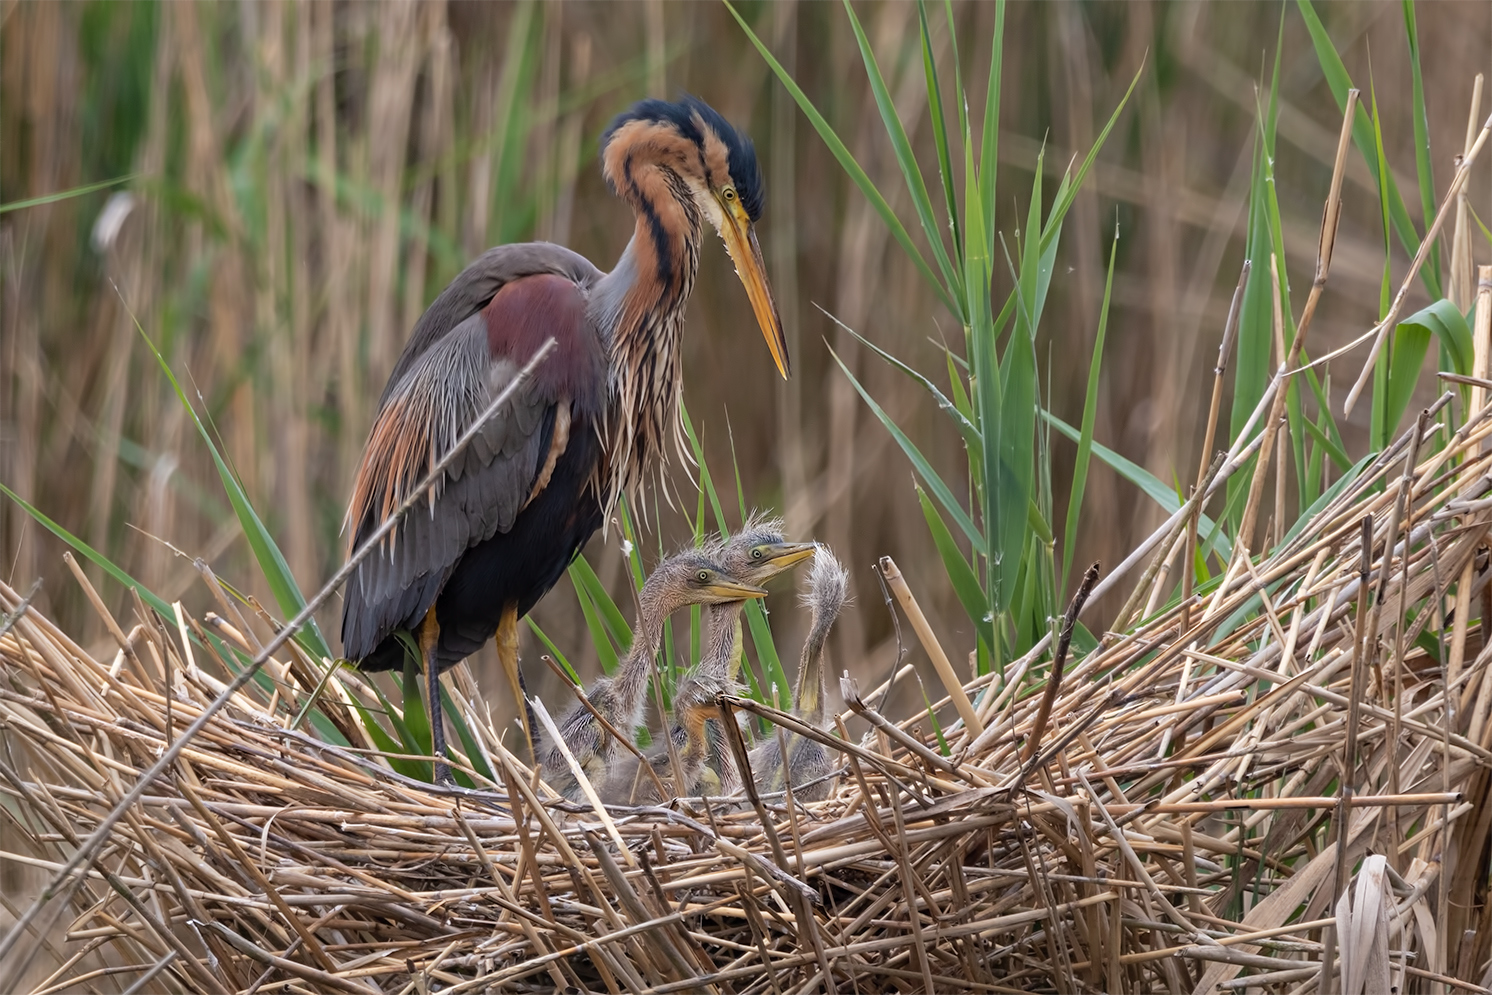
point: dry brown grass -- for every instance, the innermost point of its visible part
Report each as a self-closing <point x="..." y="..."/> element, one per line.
<point x="1177" y="823"/>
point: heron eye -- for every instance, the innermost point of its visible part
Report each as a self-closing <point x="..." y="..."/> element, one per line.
<point x="704" y="575"/>
<point x="756" y="554"/>
<point x="729" y="193"/>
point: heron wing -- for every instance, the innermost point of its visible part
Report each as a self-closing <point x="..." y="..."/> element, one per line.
<point x="475" y="287"/>
<point x="485" y="488"/>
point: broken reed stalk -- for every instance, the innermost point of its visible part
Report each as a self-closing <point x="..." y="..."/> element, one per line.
<point x="1059" y="660"/>
<point x="955" y="687"/>
<point x="1209" y="437"/>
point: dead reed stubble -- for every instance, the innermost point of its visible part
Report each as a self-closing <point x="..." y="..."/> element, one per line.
<point x="1158" y="842"/>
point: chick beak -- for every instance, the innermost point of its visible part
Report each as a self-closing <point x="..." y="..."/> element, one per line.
<point x="732" y="591"/>
<point x="786" y="554"/>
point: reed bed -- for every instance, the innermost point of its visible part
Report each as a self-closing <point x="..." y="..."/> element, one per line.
<point x="1286" y="769"/>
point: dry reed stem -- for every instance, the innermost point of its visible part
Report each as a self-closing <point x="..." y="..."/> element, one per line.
<point x="929" y="641"/>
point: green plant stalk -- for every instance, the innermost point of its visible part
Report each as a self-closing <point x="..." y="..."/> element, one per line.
<point x="1090" y="419"/>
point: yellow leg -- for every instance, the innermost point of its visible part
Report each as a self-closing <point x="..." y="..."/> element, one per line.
<point x="429" y="636"/>
<point x="507" y="653"/>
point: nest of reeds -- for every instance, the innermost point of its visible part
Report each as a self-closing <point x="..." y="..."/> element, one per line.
<point x="1286" y="770"/>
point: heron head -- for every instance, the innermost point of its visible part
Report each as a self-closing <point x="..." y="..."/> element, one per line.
<point x="714" y="166"/>
<point x="759" y="552"/>
<point x="692" y="578"/>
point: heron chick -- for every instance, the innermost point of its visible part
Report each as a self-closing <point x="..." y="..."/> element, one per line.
<point x="753" y="555"/>
<point x="694" y="712"/>
<point x="687" y="578"/>
<point x="807" y="762"/>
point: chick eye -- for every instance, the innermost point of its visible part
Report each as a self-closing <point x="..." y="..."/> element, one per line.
<point x="729" y="193"/>
<point x="703" y="576"/>
<point x="756" y="554"/>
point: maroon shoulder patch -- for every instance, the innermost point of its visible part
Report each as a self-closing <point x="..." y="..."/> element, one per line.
<point x="529" y="310"/>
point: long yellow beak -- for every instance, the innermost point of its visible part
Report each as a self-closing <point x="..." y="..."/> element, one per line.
<point x="782" y="555"/>
<point x="740" y="241"/>
<point x="729" y="591"/>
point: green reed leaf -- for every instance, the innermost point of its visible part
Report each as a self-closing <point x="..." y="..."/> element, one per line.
<point x="849" y="164"/>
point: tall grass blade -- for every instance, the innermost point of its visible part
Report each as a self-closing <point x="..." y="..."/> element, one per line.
<point x="984" y="361"/>
<point x="966" y="428"/>
<point x="706" y="481"/>
<point x="1340" y="82"/>
<point x="1252" y="365"/>
<point x="92" y="555"/>
<point x="60" y="195"/>
<point x="1449" y="326"/>
<point x="1410" y="343"/>
<point x="633" y="550"/>
<point x="1424" y="168"/>
<point x="515" y="87"/>
<point x="1009" y="473"/>
<point x="1379" y="427"/>
<point x="554" y="650"/>
<point x="960" y="574"/>
<point x="919" y="462"/>
<point x="1411" y="340"/>
<point x="939" y="120"/>
<point x="266" y="551"/>
<point x="1073" y="182"/>
<point x="415" y="727"/>
<point x="606" y="649"/>
<point x="989" y="129"/>
<point x="907" y="161"/>
<point x="1090" y="418"/>
<point x="1159" y="491"/>
<point x="848" y="163"/>
<point x="1327" y="445"/>
<point x="469" y="744"/>
<point x="386" y="743"/>
<point x="617" y="629"/>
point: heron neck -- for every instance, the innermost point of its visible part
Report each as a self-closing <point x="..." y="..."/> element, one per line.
<point x="808" y="697"/>
<point x="632" y="680"/>
<point x="654" y="608"/>
<point x="641" y="309"/>
<point x="723" y="652"/>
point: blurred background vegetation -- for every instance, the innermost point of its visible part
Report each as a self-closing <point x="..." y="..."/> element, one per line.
<point x="284" y="186"/>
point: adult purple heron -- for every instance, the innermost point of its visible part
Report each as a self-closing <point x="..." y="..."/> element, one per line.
<point x="513" y="511"/>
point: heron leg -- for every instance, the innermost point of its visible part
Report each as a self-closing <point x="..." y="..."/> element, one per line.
<point x="507" y="652"/>
<point x="429" y="639"/>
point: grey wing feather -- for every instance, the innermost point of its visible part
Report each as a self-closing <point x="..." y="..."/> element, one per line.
<point x="397" y="584"/>
<point x="479" y="496"/>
